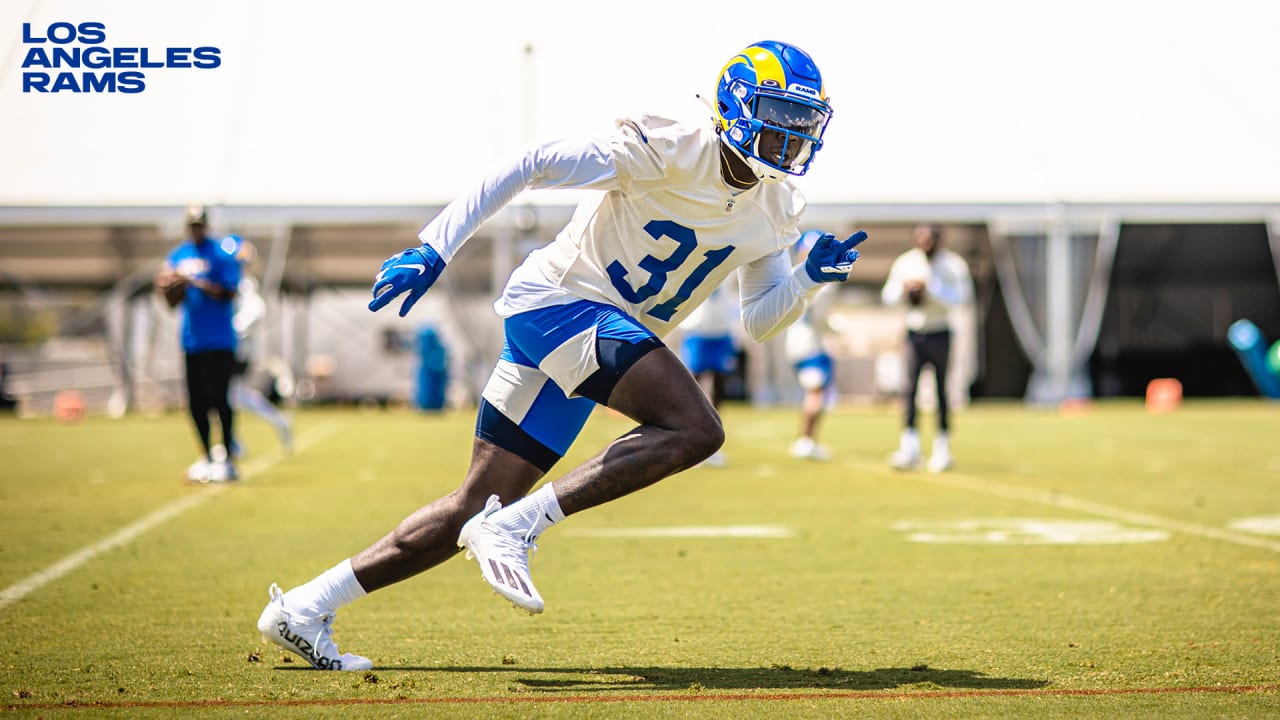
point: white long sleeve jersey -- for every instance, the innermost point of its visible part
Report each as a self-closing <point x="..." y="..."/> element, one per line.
<point x="947" y="285"/>
<point x="661" y="233"/>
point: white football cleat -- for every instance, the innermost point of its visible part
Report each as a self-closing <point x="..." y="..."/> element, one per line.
<point x="907" y="456"/>
<point x="198" y="471"/>
<point x="309" y="637"/>
<point x="939" y="462"/>
<point x="940" y="458"/>
<point x="904" y="459"/>
<point x="806" y="449"/>
<point x="222" y="472"/>
<point x="503" y="557"/>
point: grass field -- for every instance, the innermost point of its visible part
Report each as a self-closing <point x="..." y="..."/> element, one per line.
<point x="1071" y="565"/>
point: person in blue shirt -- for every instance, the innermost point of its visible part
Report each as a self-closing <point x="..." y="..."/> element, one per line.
<point x="200" y="277"/>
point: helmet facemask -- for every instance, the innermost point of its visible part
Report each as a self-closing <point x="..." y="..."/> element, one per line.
<point x="789" y="134"/>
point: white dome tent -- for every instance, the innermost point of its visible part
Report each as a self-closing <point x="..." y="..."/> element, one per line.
<point x="1056" y="122"/>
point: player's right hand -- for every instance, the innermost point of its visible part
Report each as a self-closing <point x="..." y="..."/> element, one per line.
<point x="413" y="270"/>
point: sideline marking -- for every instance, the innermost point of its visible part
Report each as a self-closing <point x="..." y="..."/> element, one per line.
<point x="1053" y="499"/>
<point x="690" y="697"/>
<point x="127" y="534"/>
<point x="689" y="531"/>
<point x="1265" y="525"/>
<point x="1026" y="531"/>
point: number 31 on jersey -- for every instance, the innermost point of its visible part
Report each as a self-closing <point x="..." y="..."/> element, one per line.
<point x="658" y="268"/>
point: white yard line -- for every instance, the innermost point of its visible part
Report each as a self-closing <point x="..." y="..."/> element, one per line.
<point x="688" y="531"/>
<point x="1053" y="499"/>
<point x="129" y="533"/>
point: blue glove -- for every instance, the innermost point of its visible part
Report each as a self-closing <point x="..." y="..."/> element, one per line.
<point x="413" y="270"/>
<point x="831" y="261"/>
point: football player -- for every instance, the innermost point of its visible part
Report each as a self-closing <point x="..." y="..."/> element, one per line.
<point x="929" y="280"/>
<point x="815" y="370"/>
<point x="250" y="311"/>
<point x="675" y="210"/>
<point x="201" y="278"/>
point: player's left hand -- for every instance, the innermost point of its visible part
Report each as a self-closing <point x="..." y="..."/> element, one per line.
<point x="413" y="270"/>
<point x="831" y="261"/>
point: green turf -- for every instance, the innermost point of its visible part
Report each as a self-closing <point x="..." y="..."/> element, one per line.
<point x="846" y="617"/>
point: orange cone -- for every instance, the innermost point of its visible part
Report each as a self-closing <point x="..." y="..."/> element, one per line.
<point x="68" y="405"/>
<point x="1163" y="395"/>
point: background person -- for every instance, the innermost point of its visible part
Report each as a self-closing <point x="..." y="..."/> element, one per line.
<point x="815" y="370"/>
<point x="200" y="278"/>
<point x="929" y="281"/>
<point x="675" y="210"/>
<point x="250" y="310"/>
<point x="709" y="347"/>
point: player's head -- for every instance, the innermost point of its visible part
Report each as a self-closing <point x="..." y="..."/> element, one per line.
<point x="197" y="219"/>
<point x="239" y="248"/>
<point x="771" y="109"/>
<point x="927" y="237"/>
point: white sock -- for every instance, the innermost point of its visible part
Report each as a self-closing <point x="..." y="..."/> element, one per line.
<point x="328" y="591"/>
<point x="942" y="443"/>
<point x="532" y="514"/>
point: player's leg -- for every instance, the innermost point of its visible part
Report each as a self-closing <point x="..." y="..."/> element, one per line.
<point x="610" y="358"/>
<point x="708" y="358"/>
<point x="301" y="619"/>
<point x="198" y="405"/>
<point x="677" y="429"/>
<point x="524" y="426"/>
<point x="429" y="536"/>
<point x="221" y="365"/>
<point x="244" y="396"/>
<point x="814" y="377"/>
<point x="939" y="353"/>
<point x="907" y="455"/>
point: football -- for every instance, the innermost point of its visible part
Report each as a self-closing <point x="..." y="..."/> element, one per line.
<point x="172" y="286"/>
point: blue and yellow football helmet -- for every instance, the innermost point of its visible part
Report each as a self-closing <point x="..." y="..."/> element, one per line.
<point x="771" y="109"/>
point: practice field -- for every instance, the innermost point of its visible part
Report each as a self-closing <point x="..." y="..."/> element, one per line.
<point x="1104" y="563"/>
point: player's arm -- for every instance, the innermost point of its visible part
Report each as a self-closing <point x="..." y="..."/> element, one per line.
<point x="775" y="294"/>
<point x="171" y="285"/>
<point x="221" y="280"/>
<point x="572" y="164"/>
<point x="894" y="287"/>
<point x="952" y="286"/>
<point x="212" y="289"/>
<point x="250" y="307"/>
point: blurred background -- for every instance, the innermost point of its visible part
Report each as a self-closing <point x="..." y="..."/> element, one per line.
<point x="1109" y="170"/>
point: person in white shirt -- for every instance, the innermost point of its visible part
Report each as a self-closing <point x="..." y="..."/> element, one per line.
<point x="674" y="211"/>
<point x="929" y="281"/>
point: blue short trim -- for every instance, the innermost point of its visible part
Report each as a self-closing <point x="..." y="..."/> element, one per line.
<point x="531" y="336"/>
<point x="821" y="363"/>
